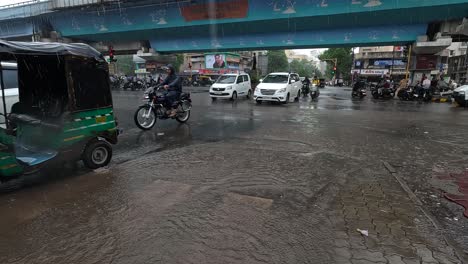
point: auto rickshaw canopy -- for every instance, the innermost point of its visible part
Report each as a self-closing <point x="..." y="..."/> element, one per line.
<point x="56" y="77"/>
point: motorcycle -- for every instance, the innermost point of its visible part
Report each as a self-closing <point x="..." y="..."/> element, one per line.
<point x="381" y="92"/>
<point x="359" y="89"/>
<point x="156" y="107"/>
<point x="314" y="92"/>
<point x="408" y="94"/>
<point x="128" y="85"/>
<point x="425" y="95"/>
<point x="361" y="93"/>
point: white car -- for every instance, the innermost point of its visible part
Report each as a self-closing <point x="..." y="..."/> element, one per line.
<point x="10" y="79"/>
<point x="460" y="95"/>
<point x="231" y="86"/>
<point x="278" y="87"/>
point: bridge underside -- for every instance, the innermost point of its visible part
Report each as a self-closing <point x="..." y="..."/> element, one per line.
<point x="247" y="24"/>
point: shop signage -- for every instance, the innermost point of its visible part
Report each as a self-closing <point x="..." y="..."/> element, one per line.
<point x="217" y="71"/>
<point x="386" y="63"/>
<point x="375" y="72"/>
<point x="140" y="71"/>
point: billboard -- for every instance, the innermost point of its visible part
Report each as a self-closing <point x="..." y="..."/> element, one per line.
<point x="426" y="62"/>
<point x="222" y="61"/>
<point x="215" y="10"/>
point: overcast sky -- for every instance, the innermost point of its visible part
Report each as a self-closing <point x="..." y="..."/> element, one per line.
<point x="7" y="2"/>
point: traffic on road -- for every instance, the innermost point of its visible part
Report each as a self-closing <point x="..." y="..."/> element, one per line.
<point x="285" y="169"/>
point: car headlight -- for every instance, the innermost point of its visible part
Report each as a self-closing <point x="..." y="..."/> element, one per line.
<point x="229" y="88"/>
<point x="282" y="90"/>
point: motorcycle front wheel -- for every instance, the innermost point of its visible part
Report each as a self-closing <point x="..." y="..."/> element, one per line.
<point x="145" y="117"/>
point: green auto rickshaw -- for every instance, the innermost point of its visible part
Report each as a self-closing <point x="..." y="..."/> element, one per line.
<point x="61" y="112"/>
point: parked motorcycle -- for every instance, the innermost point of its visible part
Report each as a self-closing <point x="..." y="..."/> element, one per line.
<point x="157" y="106"/>
<point x="115" y="82"/>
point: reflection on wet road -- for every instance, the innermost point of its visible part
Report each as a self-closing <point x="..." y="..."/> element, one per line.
<point x="246" y="183"/>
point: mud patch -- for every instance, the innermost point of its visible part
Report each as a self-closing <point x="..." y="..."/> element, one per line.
<point x="461" y="180"/>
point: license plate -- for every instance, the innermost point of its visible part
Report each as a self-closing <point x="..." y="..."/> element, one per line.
<point x="218" y="93"/>
<point x="416" y="95"/>
<point x="100" y="119"/>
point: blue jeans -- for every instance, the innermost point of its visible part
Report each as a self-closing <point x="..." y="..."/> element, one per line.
<point x="171" y="98"/>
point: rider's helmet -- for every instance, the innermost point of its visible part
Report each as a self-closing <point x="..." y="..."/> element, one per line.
<point x="170" y="68"/>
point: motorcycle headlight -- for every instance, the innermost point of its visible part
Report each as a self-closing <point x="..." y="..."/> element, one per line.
<point x="282" y="90"/>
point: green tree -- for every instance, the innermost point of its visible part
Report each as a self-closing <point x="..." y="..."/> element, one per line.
<point x="179" y="61"/>
<point x="305" y="68"/>
<point x="277" y="61"/>
<point x="125" y="64"/>
<point x="344" y="63"/>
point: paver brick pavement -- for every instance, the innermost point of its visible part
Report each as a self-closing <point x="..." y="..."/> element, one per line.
<point x="398" y="231"/>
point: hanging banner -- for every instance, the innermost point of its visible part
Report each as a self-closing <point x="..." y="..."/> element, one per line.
<point x="216" y="10"/>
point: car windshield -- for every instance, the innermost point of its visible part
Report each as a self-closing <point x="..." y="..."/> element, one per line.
<point x="226" y="79"/>
<point x="276" y="78"/>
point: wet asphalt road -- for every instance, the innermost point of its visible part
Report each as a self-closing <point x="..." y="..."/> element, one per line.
<point x="246" y="183"/>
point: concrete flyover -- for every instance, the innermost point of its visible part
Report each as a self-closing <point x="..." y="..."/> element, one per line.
<point x="176" y="26"/>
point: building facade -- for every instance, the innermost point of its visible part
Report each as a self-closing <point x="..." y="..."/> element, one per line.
<point x="457" y="68"/>
<point x="291" y="55"/>
<point x="373" y="63"/>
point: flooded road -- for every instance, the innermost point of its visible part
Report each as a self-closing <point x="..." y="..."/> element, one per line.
<point x="246" y="183"/>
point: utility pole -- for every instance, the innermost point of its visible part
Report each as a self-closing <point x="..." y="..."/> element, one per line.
<point x="393" y="62"/>
<point x="408" y="63"/>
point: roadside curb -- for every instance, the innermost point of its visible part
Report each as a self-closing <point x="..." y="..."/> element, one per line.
<point x="458" y="251"/>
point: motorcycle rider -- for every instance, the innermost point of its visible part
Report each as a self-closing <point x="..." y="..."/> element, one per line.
<point x="173" y="85"/>
<point x="384" y="84"/>
<point x="360" y="84"/>
<point x="402" y="86"/>
<point x="306" y="84"/>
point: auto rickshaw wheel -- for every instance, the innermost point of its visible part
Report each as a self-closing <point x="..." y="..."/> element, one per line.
<point x="97" y="154"/>
<point x="11" y="185"/>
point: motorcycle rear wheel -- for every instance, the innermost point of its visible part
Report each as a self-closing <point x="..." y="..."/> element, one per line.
<point x="145" y="117"/>
<point x="183" y="117"/>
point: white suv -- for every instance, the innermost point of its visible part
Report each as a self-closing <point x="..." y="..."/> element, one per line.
<point x="278" y="87"/>
<point x="230" y="86"/>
